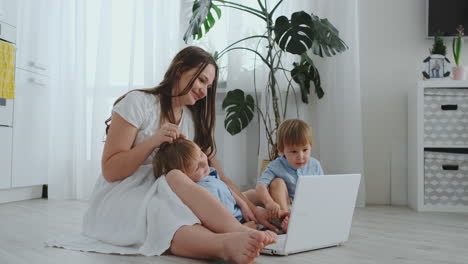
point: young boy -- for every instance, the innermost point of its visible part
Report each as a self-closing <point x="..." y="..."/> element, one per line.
<point x="276" y="187"/>
<point x="186" y="156"/>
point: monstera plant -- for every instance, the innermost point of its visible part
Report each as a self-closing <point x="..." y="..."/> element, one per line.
<point x="302" y="34"/>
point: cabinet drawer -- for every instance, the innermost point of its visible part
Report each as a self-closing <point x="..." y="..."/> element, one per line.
<point x="8" y="12"/>
<point x="445" y="178"/>
<point x="445" y="116"/>
<point x="6" y="112"/>
<point x="5" y="157"/>
<point x="34" y="39"/>
<point x="8" y="32"/>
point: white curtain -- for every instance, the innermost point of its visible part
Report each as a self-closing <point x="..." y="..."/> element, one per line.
<point x="337" y="116"/>
<point x="103" y="48"/>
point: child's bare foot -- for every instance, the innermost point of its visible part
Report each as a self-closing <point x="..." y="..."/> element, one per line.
<point x="251" y="224"/>
<point x="284" y="224"/>
<point x="244" y="247"/>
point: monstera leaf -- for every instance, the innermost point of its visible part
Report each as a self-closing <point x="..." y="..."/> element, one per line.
<point x="201" y="15"/>
<point x="304" y="32"/>
<point x="305" y="72"/>
<point x="327" y="38"/>
<point x="240" y="111"/>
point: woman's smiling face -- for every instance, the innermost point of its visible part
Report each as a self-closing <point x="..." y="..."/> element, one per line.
<point x="199" y="87"/>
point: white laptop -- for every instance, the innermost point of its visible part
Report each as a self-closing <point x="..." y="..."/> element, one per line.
<point x="321" y="214"/>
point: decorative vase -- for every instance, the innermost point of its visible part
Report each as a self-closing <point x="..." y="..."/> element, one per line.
<point x="460" y="72"/>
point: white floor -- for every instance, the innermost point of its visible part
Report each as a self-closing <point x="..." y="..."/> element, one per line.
<point x="378" y="235"/>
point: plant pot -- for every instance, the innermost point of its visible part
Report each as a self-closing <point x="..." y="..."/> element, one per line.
<point x="264" y="164"/>
<point x="460" y="72"/>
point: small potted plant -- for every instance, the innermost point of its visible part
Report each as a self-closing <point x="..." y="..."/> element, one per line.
<point x="460" y="72"/>
<point x="436" y="62"/>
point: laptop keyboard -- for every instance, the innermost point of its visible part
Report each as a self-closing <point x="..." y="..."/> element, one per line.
<point x="279" y="245"/>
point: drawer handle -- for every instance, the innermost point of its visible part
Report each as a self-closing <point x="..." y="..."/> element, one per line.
<point x="37" y="65"/>
<point x="449" y="107"/>
<point x="36" y="82"/>
<point x="450" y="167"/>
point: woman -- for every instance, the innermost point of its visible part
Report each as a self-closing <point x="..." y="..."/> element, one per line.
<point x="130" y="208"/>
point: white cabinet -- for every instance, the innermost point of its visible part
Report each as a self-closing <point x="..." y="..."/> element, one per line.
<point x="24" y="120"/>
<point x="30" y="129"/>
<point x="438" y="146"/>
<point x="32" y="40"/>
<point x="8" y="11"/>
<point x="5" y="157"/>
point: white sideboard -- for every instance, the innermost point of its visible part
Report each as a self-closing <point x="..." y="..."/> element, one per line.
<point x="438" y="146"/>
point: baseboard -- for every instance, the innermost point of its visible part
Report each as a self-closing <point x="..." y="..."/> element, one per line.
<point x="20" y="194"/>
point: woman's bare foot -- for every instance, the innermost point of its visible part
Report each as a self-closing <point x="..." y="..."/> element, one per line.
<point x="251" y="224"/>
<point x="243" y="247"/>
<point x="271" y="237"/>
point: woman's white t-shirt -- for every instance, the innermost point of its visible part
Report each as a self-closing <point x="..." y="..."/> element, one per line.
<point x="139" y="211"/>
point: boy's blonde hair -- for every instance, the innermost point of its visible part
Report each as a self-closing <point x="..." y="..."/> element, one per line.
<point x="293" y="132"/>
<point x="179" y="154"/>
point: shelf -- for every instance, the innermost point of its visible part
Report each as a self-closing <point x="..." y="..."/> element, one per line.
<point x="442" y="83"/>
<point x="446" y="146"/>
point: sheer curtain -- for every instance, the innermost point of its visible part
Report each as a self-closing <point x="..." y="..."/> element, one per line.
<point x="337" y="118"/>
<point x="102" y="49"/>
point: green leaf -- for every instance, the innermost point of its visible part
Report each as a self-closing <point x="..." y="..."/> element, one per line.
<point x="304" y="73"/>
<point x="294" y="36"/>
<point x="202" y="17"/>
<point x="239" y="111"/>
<point x="306" y="32"/>
<point x="300" y="75"/>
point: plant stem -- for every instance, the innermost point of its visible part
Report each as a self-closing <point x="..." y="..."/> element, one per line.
<point x="274" y="8"/>
<point x="260" y="115"/>
<point x="246" y="10"/>
<point x="261" y="5"/>
<point x="253" y="11"/>
<point x="251" y="37"/>
<point x="249" y="49"/>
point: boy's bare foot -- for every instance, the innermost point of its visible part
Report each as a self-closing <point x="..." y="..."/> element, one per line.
<point x="244" y="247"/>
<point x="251" y="224"/>
<point x="284" y="224"/>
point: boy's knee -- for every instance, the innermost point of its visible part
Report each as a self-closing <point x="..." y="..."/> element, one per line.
<point x="277" y="183"/>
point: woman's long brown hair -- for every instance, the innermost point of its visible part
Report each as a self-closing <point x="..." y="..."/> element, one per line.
<point x="203" y="111"/>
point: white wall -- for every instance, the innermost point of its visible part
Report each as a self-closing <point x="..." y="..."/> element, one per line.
<point x="393" y="44"/>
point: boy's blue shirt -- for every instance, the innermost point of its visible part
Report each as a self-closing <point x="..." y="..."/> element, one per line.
<point x="280" y="168"/>
<point x="218" y="188"/>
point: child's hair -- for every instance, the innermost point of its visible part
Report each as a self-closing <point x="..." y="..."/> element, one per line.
<point x="293" y="132"/>
<point x="179" y="154"/>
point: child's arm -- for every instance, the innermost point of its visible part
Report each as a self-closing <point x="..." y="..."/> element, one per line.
<point x="265" y="197"/>
<point x="272" y="207"/>
<point x="246" y="212"/>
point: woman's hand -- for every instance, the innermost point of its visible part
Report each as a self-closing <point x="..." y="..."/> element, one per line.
<point x="166" y="133"/>
<point x="246" y="212"/>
